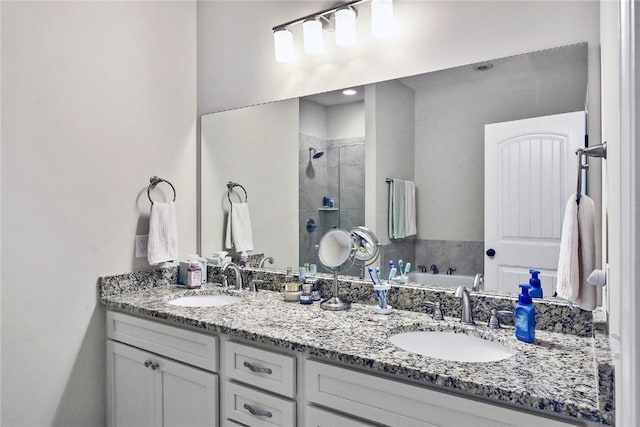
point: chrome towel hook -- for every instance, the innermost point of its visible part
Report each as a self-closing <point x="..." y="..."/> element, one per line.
<point x="599" y="150"/>
<point x="153" y="181"/>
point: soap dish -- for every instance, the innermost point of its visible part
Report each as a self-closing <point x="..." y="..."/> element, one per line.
<point x="378" y="310"/>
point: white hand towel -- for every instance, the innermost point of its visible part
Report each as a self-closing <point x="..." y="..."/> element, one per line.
<point x="396" y="218"/>
<point x="410" y="208"/>
<point x="577" y="253"/>
<point x="239" y="234"/>
<point x="162" y="245"/>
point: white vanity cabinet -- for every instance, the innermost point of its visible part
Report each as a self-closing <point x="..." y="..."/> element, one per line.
<point x="389" y="402"/>
<point x="147" y="382"/>
<point x="260" y="389"/>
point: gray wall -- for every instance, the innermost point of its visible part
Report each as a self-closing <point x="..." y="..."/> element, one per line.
<point x="96" y="98"/>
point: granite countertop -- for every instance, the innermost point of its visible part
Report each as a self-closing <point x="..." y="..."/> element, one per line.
<point x="559" y="374"/>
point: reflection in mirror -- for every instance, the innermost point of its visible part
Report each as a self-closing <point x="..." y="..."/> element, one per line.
<point x="335" y="248"/>
<point x="427" y="128"/>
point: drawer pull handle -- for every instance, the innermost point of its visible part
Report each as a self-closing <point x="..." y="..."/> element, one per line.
<point x="147" y="363"/>
<point x="155" y="366"/>
<point x="254" y="368"/>
<point x="257" y="412"/>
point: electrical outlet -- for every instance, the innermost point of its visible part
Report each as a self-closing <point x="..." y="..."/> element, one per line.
<point x="141" y="245"/>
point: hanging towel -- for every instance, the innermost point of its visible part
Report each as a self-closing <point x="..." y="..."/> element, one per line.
<point x="577" y="253"/>
<point x="239" y="234"/>
<point x="162" y="245"/>
<point x="397" y="227"/>
<point x="410" y="208"/>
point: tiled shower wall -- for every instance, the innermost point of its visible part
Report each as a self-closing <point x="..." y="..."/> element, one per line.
<point x="467" y="257"/>
<point x="338" y="174"/>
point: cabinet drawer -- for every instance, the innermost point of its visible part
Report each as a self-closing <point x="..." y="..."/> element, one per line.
<point x="261" y="368"/>
<point x="318" y="417"/>
<point x="180" y="344"/>
<point x="395" y="403"/>
<point x="255" y="408"/>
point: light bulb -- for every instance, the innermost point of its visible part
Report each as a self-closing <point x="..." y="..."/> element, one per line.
<point x="313" y="36"/>
<point x="381" y="17"/>
<point x="345" y="27"/>
<point x="283" y="44"/>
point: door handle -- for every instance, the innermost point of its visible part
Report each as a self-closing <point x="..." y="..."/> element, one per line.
<point x="491" y="253"/>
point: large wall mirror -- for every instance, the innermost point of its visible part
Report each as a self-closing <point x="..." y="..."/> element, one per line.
<point x="322" y="161"/>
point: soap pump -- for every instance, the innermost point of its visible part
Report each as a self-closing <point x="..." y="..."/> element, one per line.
<point x="525" y="316"/>
<point x="534" y="282"/>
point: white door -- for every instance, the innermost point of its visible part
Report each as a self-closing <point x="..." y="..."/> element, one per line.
<point x="530" y="172"/>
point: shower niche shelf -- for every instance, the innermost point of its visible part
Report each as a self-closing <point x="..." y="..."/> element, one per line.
<point x="328" y="209"/>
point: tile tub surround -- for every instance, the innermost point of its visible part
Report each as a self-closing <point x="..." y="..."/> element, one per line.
<point x="554" y="316"/>
<point x="560" y="374"/>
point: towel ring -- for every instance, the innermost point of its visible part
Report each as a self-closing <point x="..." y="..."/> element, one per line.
<point x="154" y="180"/>
<point x="230" y="186"/>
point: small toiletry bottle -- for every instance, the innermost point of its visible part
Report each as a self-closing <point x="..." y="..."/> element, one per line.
<point x="244" y="259"/>
<point x="332" y="203"/>
<point x="194" y="274"/>
<point x="306" y="296"/>
<point x="302" y="275"/>
<point x="534" y="282"/>
<point x="525" y="316"/>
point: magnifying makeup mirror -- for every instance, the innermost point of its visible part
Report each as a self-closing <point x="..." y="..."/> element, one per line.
<point x="338" y="248"/>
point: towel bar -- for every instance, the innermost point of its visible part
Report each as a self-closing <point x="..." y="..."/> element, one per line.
<point x="231" y="185"/>
<point x="599" y="150"/>
<point x="154" y="180"/>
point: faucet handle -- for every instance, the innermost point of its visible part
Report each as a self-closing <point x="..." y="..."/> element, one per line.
<point x="494" y="320"/>
<point x="255" y="283"/>
<point x="437" y="312"/>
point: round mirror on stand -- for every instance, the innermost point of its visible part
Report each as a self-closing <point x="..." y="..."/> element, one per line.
<point x="338" y="248"/>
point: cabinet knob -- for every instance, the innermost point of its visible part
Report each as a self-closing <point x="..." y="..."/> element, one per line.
<point x="147" y="363"/>
<point x="254" y="368"/>
<point x="257" y="412"/>
<point x="155" y="366"/>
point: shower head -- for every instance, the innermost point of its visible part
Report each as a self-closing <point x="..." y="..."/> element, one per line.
<point x="315" y="153"/>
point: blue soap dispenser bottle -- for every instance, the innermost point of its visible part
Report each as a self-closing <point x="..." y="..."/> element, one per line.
<point x="525" y="316"/>
<point x="534" y="282"/>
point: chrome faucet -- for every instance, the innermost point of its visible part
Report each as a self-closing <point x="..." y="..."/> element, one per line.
<point x="422" y="268"/>
<point x="450" y="270"/>
<point x="466" y="315"/>
<point x="264" y="260"/>
<point x="434" y="269"/>
<point x="237" y="272"/>
<point x="478" y="282"/>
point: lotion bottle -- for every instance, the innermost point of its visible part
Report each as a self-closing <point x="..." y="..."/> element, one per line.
<point x="534" y="282"/>
<point x="194" y="274"/>
<point x="525" y="316"/>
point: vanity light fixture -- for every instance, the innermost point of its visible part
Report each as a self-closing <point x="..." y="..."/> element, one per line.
<point x="341" y="18"/>
<point x="313" y="36"/>
<point x="283" y="43"/>
<point x="349" y="92"/>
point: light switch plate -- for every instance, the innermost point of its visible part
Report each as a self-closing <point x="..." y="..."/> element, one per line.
<point x="141" y="245"/>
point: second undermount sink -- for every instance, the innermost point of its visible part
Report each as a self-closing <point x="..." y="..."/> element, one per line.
<point x="451" y="346"/>
<point x="205" y="301"/>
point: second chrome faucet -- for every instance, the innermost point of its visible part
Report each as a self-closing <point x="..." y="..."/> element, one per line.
<point x="466" y="315"/>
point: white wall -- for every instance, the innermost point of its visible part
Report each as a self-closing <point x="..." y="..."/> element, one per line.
<point x="313" y="119"/>
<point x="345" y="120"/>
<point x="394" y="145"/>
<point x="97" y="97"/>
<point x="431" y="35"/>
<point x="268" y="135"/>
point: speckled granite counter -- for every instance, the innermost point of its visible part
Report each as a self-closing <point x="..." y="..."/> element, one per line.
<point x="560" y="374"/>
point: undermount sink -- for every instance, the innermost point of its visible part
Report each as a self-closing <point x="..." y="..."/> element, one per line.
<point x="451" y="346"/>
<point x="205" y="301"/>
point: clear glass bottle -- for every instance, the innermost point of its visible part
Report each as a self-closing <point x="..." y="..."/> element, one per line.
<point x="194" y="275"/>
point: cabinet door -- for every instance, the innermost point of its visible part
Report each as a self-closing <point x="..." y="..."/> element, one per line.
<point x="132" y="387"/>
<point x="189" y="395"/>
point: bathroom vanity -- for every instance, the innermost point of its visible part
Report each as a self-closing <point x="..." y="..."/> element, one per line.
<point x="264" y="362"/>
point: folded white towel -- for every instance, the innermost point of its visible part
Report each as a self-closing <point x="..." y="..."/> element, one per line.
<point x="577" y="253"/>
<point x="239" y="234"/>
<point x="396" y="218"/>
<point x="162" y="245"/>
<point x="410" y="208"/>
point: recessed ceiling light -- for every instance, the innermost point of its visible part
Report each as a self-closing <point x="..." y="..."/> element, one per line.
<point x="349" y="92"/>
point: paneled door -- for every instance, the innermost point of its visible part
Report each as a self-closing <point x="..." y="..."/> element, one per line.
<point x="530" y="172"/>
